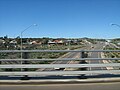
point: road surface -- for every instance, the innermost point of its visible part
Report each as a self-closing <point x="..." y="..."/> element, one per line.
<point x="87" y="86"/>
<point x="68" y="55"/>
<point x="98" y="46"/>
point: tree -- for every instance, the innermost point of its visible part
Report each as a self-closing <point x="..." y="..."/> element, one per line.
<point x="6" y="37"/>
<point x="18" y="39"/>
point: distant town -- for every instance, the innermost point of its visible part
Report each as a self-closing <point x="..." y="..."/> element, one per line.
<point x="15" y="43"/>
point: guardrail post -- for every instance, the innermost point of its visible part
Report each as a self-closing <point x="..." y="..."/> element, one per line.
<point x="25" y="56"/>
<point x="83" y="55"/>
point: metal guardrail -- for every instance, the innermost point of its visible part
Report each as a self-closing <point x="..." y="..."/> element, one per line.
<point x="63" y="72"/>
<point x="60" y="59"/>
<point x="59" y="50"/>
<point x="60" y="65"/>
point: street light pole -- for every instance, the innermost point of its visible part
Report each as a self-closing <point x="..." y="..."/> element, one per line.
<point x="21" y="40"/>
<point x="117" y="26"/>
<point x="22" y="35"/>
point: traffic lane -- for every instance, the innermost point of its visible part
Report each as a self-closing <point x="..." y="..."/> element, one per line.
<point x="96" y="55"/>
<point x="86" y="86"/>
<point x="69" y="55"/>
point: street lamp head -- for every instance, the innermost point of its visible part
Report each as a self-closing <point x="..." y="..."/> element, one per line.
<point x="34" y="24"/>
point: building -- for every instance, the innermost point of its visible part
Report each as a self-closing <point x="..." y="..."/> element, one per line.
<point x="13" y="42"/>
<point x="55" y="42"/>
<point x="2" y="42"/>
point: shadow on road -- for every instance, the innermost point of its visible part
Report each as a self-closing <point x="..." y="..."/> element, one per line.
<point x="59" y="77"/>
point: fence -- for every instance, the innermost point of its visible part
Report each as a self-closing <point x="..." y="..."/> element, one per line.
<point x="82" y="67"/>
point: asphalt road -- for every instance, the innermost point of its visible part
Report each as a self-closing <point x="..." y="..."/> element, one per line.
<point x="86" y="86"/>
<point x="98" y="46"/>
<point x="68" y="55"/>
<point x="72" y="55"/>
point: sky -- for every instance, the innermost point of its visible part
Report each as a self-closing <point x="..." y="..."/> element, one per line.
<point x="60" y="18"/>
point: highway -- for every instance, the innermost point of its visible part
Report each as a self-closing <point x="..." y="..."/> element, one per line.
<point x="98" y="46"/>
<point x="67" y="55"/>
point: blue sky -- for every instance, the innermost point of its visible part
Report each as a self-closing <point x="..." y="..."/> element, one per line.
<point x="60" y="18"/>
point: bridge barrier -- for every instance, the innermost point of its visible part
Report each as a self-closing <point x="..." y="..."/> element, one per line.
<point x="82" y="66"/>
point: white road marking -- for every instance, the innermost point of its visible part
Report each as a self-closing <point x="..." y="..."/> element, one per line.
<point x="106" y="61"/>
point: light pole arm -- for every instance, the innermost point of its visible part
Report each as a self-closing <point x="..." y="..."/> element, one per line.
<point x="22" y="36"/>
<point x="116" y="25"/>
<point x="26" y="29"/>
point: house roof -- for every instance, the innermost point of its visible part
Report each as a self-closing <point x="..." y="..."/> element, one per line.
<point x="2" y="41"/>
